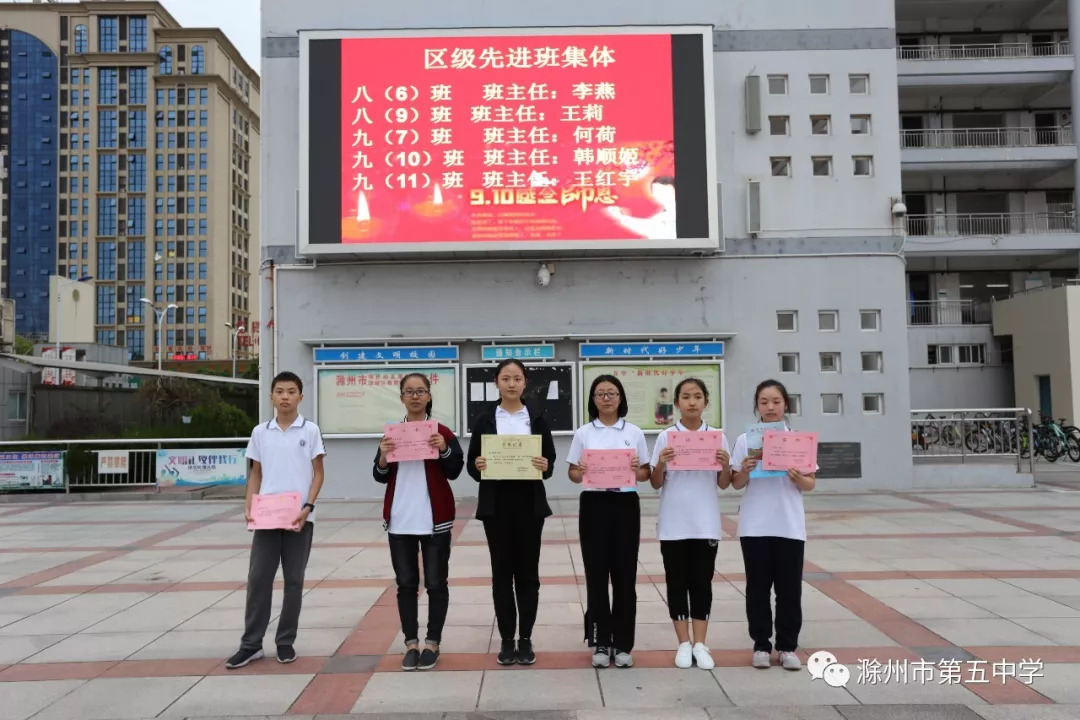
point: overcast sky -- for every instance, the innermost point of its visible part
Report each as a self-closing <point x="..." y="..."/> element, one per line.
<point x="238" y="19"/>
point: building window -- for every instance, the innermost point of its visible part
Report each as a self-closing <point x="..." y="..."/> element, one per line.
<point x="137" y="33"/>
<point x="16" y="405"/>
<point x="870" y="320"/>
<point x="819" y="84"/>
<point x="137" y="173"/>
<point x="789" y="362"/>
<point x="781" y="166"/>
<point x="137" y="261"/>
<point x="830" y="362"/>
<point x="204" y="118"/>
<point x="796" y="405"/>
<point x="779" y="125"/>
<point x="106" y="219"/>
<point x="860" y="124"/>
<point x="198" y="60"/>
<point x="165" y="58"/>
<point x="859" y="84"/>
<point x="204" y="96"/>
<point x="106" y="173"/>
<point x="778" y="84"/>
<point x="787" y="320"/>
<point x="108" y="33"/>
<point x="820" y="124"/>
<point x="956" y="354"/>
<point x="828" y="320"/>
<point x="872" y="362"/>
<point x="863" y="165"/>
<point x="136" y="220"/>
<point x="106" y="305"/>
<point x="108" y="86"/>
<point x="832" y="404"/>
<point x="873" y="404"/>
<point x="822" y="166"/>
<point x="82" y="43"/>
<point x="137" y="129"/>
<point x="137" y="86"/>
<point x="107" y="128"/>
<point x="136" y="343"/>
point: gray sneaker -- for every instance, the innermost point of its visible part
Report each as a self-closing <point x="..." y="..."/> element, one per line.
<point x="761" y="659"/>
<point x="789" y="660"/>
<point x="623" y="660"/>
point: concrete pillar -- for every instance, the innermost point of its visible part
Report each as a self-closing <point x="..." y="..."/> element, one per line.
<point x="1074" y="40"/>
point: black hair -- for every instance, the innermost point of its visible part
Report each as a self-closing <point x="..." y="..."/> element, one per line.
<point x="286" y="376"/>
<point x="594" y="412"/>
<point x="696" y="381"/>
<point x="766" y="384"/>
<point x="511" y="361"/>
<point x="663" y="180"/>
<point x="427" y="384"/>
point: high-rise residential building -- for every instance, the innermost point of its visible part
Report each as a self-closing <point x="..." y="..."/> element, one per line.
<point x="131" y="148"/>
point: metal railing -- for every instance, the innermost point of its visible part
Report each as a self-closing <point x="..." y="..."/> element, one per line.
<point x="966" y="433"/>
<point x="975" y="224"/>
<point x="948" y="312"/>
<point x="81" y="462"/>
<point x="987" y="51"/>
<point x="1007" y="137"/>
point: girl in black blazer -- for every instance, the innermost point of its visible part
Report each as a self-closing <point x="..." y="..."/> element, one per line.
<point x="513" y="513"/>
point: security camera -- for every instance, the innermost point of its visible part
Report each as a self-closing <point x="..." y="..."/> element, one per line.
<point x="543" y="276"/>
<point x="899" y="209"/>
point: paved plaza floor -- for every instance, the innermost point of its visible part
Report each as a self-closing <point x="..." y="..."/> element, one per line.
<point x="961" y="605"/>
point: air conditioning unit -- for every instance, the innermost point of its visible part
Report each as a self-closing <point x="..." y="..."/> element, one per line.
<point x="753" y="207"/>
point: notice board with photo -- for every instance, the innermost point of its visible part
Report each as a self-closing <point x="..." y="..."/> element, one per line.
<point x="550" y="386"/>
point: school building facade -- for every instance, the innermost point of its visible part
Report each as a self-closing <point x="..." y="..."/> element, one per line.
<point x="815" y="280"/>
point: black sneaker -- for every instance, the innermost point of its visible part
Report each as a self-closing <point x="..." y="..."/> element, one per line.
<point x="428" y="658"/>
<point x="507" y="655"/>
<point x="285" y="654"/>
<point x="242" y="657"/>
<point x="412" y="659"/>
<point x="525" y="654"/>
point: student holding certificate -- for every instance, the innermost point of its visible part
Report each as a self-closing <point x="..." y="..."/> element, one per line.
<point x="688" y="523"/>
<point x="609" y="457"/>
<point x="512" y="503"/>
<point x="418" y="513"/>
<point x="772" y="532"/>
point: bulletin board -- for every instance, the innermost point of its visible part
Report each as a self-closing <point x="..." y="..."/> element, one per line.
<point x="551" y="386"/>
<point x="650" y="389"/>
<point x="359" y="400"/>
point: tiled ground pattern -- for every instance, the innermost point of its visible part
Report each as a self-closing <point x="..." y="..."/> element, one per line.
<point x="128" y="609"/>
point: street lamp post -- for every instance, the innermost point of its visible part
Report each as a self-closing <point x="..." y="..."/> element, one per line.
<point x="60" y="279"/>
<point x="160" y="314"/>
<point x="235" y="335"/>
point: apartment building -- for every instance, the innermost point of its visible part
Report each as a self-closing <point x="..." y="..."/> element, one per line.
<point x="131" y="148"/>
<point x="989" y="168"/>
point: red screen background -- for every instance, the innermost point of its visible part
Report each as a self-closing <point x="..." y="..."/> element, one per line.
<point x="640" y="112"/>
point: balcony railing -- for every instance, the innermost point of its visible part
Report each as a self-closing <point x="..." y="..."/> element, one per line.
<point x="979" y="224"/>
<point x="1013" y="137"/>
<point x="997" y="51"/>
<point x="948" y="312"/>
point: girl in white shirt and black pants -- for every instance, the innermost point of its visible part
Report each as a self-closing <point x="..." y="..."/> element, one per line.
<point x="772" y="532"/>
<point x="688" y="526"/>
<point x="609" y="524"/>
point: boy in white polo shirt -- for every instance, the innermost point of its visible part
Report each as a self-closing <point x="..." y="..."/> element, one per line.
<point x="286" y="455"/>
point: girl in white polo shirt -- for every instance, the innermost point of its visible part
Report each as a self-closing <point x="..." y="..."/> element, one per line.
<point x="609" y="524"/>
<point x="688" y="526"/>
<point x="772" y="532"/>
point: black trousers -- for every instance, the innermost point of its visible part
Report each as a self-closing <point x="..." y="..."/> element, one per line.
<point x="404" y="554"/>
<point x="688" y="570"/>
<point x="609" y="526"/>
<point x="773" y="562"/>
<point x="513" y="540"/>
<point x="270" y="548"/>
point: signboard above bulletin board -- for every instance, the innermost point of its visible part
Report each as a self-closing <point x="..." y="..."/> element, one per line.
<point x="650" y="390"/>
<point x="489" y="140"/>
<point x="550" y="386"/>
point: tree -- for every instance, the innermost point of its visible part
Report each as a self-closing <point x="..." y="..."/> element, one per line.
<point x="23" y="346"/>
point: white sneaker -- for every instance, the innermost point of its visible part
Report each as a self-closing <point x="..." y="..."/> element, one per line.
<point x="623" y="660"/>
<point x="789" y="660"/>
<point x="601" y="657"/>
<point x="761" y="659"/>
<point x="684" y="656"/>
<point x="704" y="659"/>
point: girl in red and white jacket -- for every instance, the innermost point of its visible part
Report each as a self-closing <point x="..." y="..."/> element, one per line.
<point x="418" y="512"/>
